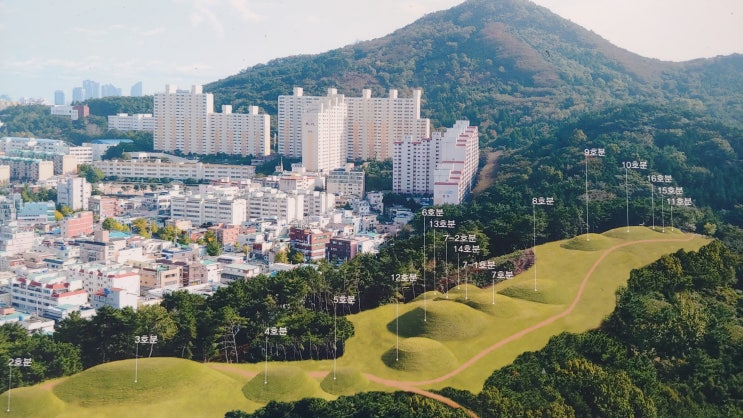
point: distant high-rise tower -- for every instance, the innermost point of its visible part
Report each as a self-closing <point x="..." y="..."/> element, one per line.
<point x="59" y="97"/>
<point x="92" y="89"/>
<point x="109" y="90"/>
<point x="78" y="94"/>
<point x="137" y="89"/>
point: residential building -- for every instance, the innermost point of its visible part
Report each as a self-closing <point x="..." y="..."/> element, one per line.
<point x="159" y="276"/>
<point x="28" y="169"/>
<point x="83" y="154"/>
<point x="59" y="97"/>
<point x="78" y="224"/>
<point x="78" y="94"/>
<point x="4" y="174"/>
<point x="32" y="213"/>
<point x="203" y="272"/>
<point x="273" y="203"/>
<point x="309" y="241"/>
<point x="104" y="207"/>
<point x="7" y="210"/>
<point x="73" y="112"/>
<point x="342" y="249"/>
<point x="136" y="122"/>
<point x="457" y="169"/>
<point x="414" y="164"/>
<point x="99" y="147"/>
<point x="109" y="90"/>
<point x="74" y="192"/>
<point x="323" y="133"/>
<point x="45" y="293"/>
<point x="185" y="121"/>
<point x="176" y="171"/>
<point x="346" y="182"/>
<point x="201" y="209"/>
<point x="111" y="284"/>
<point x="15" y="239"/>
<point x="370" y="125"/>
<point x="92" y="89"/>
<point x="238" y="271"/>
<point x="136" y="90"/>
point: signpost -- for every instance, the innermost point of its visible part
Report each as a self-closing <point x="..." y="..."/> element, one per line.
<point x="641" y="165"/>
<point x="15" y="362"/>
<point x="655" y="179"/>
<point x="271" y="331"/>
<point x="539" y="201"/>
<point x="343" y="300"/>
<point x="397" y="278"/>
<point x="141" y="339"/>
<point x="593" y="152"/>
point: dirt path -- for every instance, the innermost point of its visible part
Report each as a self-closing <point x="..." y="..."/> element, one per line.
<point x="412" y="386"/>
<point x="487" y="174"/>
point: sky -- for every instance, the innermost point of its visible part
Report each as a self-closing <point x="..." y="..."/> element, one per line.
<point x="48" y="45"/>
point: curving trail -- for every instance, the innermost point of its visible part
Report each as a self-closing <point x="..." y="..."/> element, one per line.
<point x="411" y="386"/>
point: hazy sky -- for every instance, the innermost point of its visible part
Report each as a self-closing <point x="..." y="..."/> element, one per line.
<point x="47" y="45"/>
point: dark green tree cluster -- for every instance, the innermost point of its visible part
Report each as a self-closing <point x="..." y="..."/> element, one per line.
<point x="50" y="358"/>
<point x="370" y="404"/>
<point x="42" y="194"/>
<point x="378" y="175"/>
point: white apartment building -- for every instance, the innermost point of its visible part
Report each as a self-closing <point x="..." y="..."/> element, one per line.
<point x="201" y="209"/>
<point x="64" y="110"/>
<point x="457" y="169"/>
<point x="135" y="122"/>
<point x="15" y="240"/>
<point x="43" y="292"/>
<point x="185" y="120"/>
<point x="444" y="165"/>
<point x="414" y="163"/>
<point x="375" y="123"/>
<point x="177" y="171"/>
<point x="273" y="203"/>
<point x="346" y="182"/>
<point x="323" y="133"/>
<point x="83" y="154"/>
<point x="95" y="276"/>
<point x="371" y="124"/>
<point x="316" y="203"/>
<point x="74" y="192"/>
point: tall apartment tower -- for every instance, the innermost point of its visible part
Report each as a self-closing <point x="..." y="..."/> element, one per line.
<point x="375" y="123"/>
<point x="78" y="94"/>
<point x="455" y="173"/>
<point x="414" y="164"/>
<point x="92" y="89"/>
<point x="444" y="165"/>
<point x="109" y="90"/>
<point x="372" y="125"/>
<point x="291" y="109"/>
<point x="136" y="89"/>
<point x="74" y="192"/>
<point x="185" y="120"/>
<point x="324" y="133"/>
<point x="58" y="98"/>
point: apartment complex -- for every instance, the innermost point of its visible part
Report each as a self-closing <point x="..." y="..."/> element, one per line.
<point x="457" y="168"/>
<point x="177" y="171"/>
<point x="310" y="126"/>
<point x="414" y="163"/>
<point x="136" y="122"/>
<point x="185" y="121"/>
<point x="28" y="169"/>
<point x="444" y="165"/>
<point x="200" y="209"/>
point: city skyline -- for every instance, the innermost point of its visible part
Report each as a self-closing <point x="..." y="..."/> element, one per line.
<point x="224" y="37"/>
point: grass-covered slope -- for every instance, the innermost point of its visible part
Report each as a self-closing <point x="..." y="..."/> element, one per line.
<point x="576" y="290"/>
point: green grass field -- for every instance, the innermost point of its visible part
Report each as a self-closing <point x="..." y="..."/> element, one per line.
<point x="431" y="352"/>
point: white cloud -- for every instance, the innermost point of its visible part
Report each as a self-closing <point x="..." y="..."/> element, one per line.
<point x="245" y="12"/>
<point x="154" y="31"/>
<point x="202" y="13"/>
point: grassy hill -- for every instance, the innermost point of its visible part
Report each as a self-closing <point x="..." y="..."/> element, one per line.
<point x="520" y="320"/>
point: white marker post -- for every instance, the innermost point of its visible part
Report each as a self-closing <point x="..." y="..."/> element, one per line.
<point x="272" y="331"/>
<point x="627" y="165"/>
<point x="541" y="201"/>
<point x="15" y="362"/>
<point x="397" y="278"/>
<point x="343" y="300"/>
<point x="141" y="339"/>
<point x="593" y="152"/>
